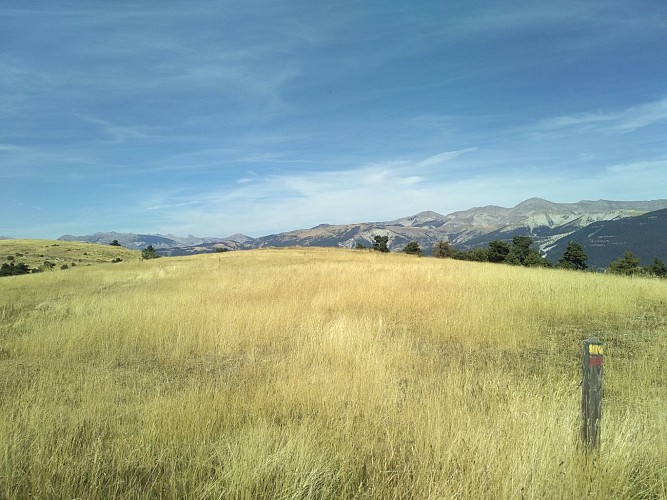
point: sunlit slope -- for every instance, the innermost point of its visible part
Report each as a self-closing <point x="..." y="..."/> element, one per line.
<point x="35" y="252"/>
<point x="311" y="373"/>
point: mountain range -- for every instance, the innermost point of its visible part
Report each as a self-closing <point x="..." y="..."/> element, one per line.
<point x="604" y="228"/>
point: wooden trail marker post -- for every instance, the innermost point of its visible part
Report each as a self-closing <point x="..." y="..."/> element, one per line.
<point x="591" y="394"/>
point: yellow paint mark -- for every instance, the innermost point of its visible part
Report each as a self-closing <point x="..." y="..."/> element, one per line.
<point x="595" y="349"/>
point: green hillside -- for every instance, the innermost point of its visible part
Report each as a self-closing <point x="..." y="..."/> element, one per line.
<point x="604" y="241"/>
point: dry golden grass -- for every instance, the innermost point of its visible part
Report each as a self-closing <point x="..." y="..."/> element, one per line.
<point x="326" y="374"/>
<point x="70" y="253"/>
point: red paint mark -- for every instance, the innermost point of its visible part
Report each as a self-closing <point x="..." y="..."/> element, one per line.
<point x="595" y="360"/>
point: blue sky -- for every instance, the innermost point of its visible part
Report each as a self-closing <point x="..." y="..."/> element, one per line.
<point x="217" y="117"/>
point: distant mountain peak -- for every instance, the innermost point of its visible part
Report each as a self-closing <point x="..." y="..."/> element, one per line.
<point x="546" y="222"/>
<point x="429" y="213"/>
<point x="238" y="237"/>
<point x="534" y="201"/>
<point x="533" y="204"/>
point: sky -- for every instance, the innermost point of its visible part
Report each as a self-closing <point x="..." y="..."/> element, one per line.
<point x="216" y="117"/>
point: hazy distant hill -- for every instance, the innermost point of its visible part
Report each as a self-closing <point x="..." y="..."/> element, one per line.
<point x="140" y="241"/>
<point x="548" y="223"/>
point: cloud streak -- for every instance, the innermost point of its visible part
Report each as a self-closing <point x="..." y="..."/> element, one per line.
<point x="276" y="203"/>
<point x="626" y="120"/>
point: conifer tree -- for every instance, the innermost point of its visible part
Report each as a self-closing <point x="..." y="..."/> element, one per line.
<point x="381" y="243"/>
<point x="497" y="251"/>
<point x="574" y="257"/>
<point x="628" y="264"/>
<point x="657" y="268"/>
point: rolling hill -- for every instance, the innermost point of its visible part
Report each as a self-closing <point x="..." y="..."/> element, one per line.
<point x="35" y="253"/>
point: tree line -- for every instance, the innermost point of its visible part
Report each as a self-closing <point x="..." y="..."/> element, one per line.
<point x="520" y="253"/>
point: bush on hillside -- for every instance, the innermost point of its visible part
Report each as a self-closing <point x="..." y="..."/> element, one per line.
<point x="150" y="253"/>
<point x="534" y="259"/>
<point x="443" y="249"/>
<point x="13" y="269"/>
<point x="413" y="248"/>
<point x="475" y="255"/>
<point x="497" y="251"/>
<point x="628" y="264"/>
<point x="657" y="268"/>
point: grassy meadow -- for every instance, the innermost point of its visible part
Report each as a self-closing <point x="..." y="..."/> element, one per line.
<point x="322" y="373"/>
<point x="62" y="253"/>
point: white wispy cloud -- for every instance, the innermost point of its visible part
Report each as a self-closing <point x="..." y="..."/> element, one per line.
<point x="380" y="191"/>
<point x="625" y="120"/>
<point x="653" y="169"/>
<point x="281" y="202"/>
<point x="642" y="116"/>
<point x="118" y="133"/>
<point x="441" y="158"/>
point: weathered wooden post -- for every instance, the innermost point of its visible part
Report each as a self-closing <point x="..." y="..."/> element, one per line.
<point x="591" y="394"/>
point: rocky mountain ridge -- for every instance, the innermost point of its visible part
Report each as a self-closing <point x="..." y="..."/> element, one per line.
<point x="548" y="223"/>
<point x="544" y="221"/>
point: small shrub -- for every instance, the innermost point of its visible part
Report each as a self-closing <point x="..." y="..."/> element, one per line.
<point x="14" y="269"/>
<point x="443" y="249"/>
<point x="10" y="258"/>
<point x="413" y="248"/>
<point x="150" y="253"/>
<point x="64" y="266"/>
<point x="117" y="259"/>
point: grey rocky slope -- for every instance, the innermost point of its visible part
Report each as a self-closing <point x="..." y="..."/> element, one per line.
<point x="546" y="222"/>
